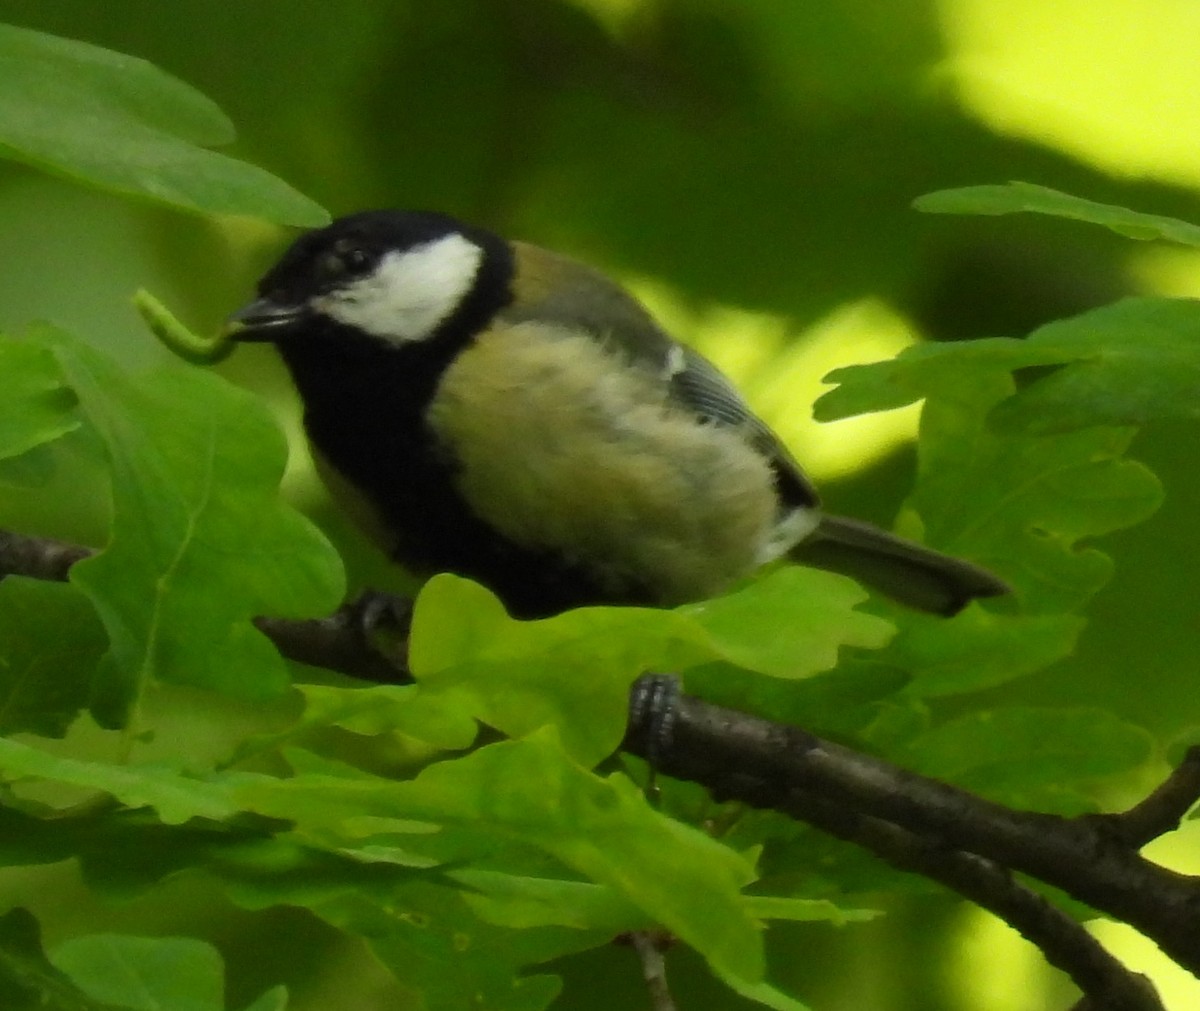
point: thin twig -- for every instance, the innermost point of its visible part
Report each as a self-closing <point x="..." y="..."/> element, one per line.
<point x="649" y="946"/>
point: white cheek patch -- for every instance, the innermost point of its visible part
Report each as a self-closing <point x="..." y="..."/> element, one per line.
<point x="410" y="293"/>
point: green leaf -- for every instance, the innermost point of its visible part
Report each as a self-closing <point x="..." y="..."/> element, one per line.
<point x="779" y="907"/>
<point x="930" y="370"/>
<point x="1018" y="197"/>
<point x="1022" y="505"/>
<point x="791" y="623"/>
<point x="531" y="792"/>
<point x="50" y="643"/>
<point x="982" y="649"/>
<point x="1132" y="362"/>
<point x="762" y="993"/>
<point x="439" y="948"/>
<point x="36" y="407"/>
<point x="380" y="709"/>
<point x="275" y="999"/>
<point x="175" y="797"/>
<point x="1176" y="749"/>
<point x="28" y="982"/>
<point x="201" y="542"/>
<point x="1135" y="361"/>
<point x="522" y="902"/>
<point x="145" y="973"/>
<point x="1029" y="756"/>
<point x="574" y="670"/>
<point x="1017" y="503"/>
<point x="121" y="124"/>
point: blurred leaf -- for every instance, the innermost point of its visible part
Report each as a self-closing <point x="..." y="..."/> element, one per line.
<point x="1018" y="197"/>
<point x="201" y="542"/>
<point x="32" y="469"/>
<point x="1177" y="748"/>
<point x="275" y="999"/>
<point x="28" y="982"/>
<point x="26" y="839"/>
<point x="147" y="973"/>
<point x="762" y="993"/>
<point x="122" y="124"/>
<point x="36" y="407"/>
<point x="50" y="643"/>
<point x="1018" y="754"/>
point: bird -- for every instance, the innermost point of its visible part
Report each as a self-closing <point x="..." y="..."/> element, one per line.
<point x="497" y="410"/>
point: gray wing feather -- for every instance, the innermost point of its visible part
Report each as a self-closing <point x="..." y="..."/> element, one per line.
<point x="702" y="387"/>
<point x="584" y="299"/>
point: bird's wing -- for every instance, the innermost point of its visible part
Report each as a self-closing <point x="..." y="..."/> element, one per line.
<point x="559" y="289"/>
<point x="697" y="383"/>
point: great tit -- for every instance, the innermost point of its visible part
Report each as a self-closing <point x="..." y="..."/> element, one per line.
<point x="508" y="414"/>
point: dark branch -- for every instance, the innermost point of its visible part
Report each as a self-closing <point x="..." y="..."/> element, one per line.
<point x="1162" y="811"/>
<point x="964" y="842"/>
<point x="339" y="642"/>
<point x="1064" y="942"/>
<point x="775" y="766"/>
<point x="38" y="557"/>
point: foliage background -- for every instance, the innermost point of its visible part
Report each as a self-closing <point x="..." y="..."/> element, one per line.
<point x="748" y="166"/>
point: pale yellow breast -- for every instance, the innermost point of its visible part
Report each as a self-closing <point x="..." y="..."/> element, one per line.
<point x="562" y="448"/>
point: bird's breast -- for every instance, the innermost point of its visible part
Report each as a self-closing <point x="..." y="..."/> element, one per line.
<point x="562" y="446"/>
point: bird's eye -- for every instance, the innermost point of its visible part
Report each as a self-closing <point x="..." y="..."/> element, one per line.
<point x="356" y="259"/>
<point x="341" y="262"/>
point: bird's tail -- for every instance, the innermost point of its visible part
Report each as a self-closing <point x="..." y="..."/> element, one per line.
<point x="909" y="573"/>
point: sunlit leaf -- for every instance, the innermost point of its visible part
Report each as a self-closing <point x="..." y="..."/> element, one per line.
<point x="574" y="670"/>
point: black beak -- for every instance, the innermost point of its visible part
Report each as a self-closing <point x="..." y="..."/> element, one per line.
<point x="264" y="320"/>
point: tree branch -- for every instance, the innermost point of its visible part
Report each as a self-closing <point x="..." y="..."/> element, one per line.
<point x="962" y="841"/>
<point x="1062" y="940"/>
<point x="734" y="754"/>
